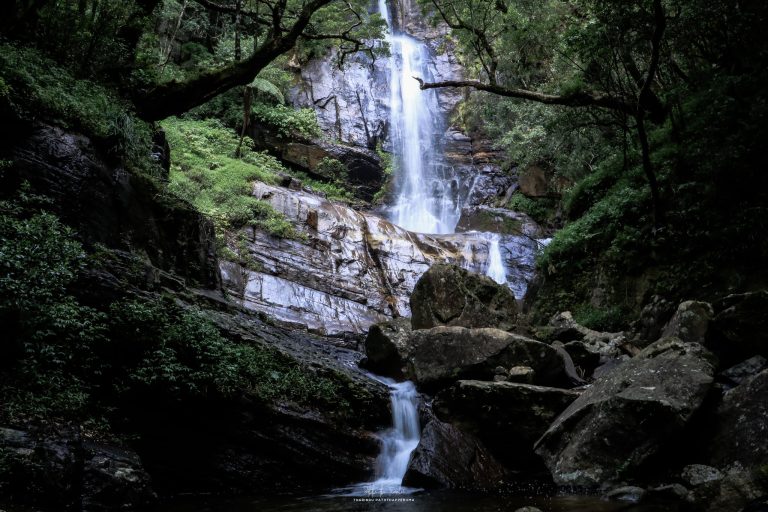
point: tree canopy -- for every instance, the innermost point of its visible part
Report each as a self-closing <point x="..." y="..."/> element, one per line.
<point x="132" y="41"/>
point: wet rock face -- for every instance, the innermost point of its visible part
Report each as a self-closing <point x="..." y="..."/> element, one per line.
<point x="452" y="458"/>
<point x="353" y="269"/>
<point x="451" y="296"/>
<point x="507" y="417"/>
<point x="441" y="355"/>
<point x="628" y="414"/>
<point x="353" y="107"/>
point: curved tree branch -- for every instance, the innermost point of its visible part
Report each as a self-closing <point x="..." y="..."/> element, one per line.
<point x="575" y="99"/>
<point x="178" y="97"/>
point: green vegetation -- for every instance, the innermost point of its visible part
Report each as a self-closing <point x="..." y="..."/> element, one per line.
<point x="288" y="121"/>
<point x="64" y="360"/>
<point x="660" y="138"/>
<point x="541" y="209"/>
<point x="33" y="86"/>
<point x="206" y="172"/>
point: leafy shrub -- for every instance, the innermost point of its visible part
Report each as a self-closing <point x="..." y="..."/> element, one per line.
<point x="37" y="87"/>
<point x="206" y="172"/>
<point x="540" y="209"/>
<point x="288" y="121"/>
<point x="610" y="320"/>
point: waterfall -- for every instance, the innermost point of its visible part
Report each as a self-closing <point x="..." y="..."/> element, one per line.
<point x="425" y="198"/>
<point x="398" y="443"/>
<point x="496" y="269"/>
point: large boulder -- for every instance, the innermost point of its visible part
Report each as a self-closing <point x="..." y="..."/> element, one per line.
<point x="507" y="417"/>
<point x="450" y="295"/>
<point x="741" y="425"/>
<point x="387" y="347"/>
<point x="627" y="415"/>
<point x="449" y="457"/>
<point x="741" y="325"/>
<point x="441" y="355"/>
<point x="690" y="322"/>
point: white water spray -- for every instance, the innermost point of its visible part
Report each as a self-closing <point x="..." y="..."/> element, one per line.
<point x="398" y="443"/>
<point x="496" y="269"/>
<point x="426" y="201"/>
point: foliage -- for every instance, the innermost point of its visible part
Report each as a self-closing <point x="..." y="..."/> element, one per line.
<point x="64" y="360"/>
<point x="47" y="334"/>
<point x="288" y="121"/>
<point x="540" y="209"/>
<point x="36" y="87"/>
<point x="206" y="172"/>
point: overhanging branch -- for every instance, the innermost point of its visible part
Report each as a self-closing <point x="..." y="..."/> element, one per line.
<point x="575" y="99"/>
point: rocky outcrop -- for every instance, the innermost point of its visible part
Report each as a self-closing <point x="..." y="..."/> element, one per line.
<point x="365" y="175"/>
<point x="626" y="416"/>
<point x="449" y="457"/>
<point x="441" y="355"/>
<point x="507" y="417"/>
<point x="451" y="296"/>
<point x="107" y="204"/>
<point x="56" y="469"/>
<point x="351" y="269"/>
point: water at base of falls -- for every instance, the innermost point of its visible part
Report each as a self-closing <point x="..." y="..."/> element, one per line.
<point x="397" y="444"/>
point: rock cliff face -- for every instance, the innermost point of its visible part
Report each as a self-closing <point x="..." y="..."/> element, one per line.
<point x="352" y="269"/>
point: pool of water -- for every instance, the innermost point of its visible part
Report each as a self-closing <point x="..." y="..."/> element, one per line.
<point x="432" y="501"/>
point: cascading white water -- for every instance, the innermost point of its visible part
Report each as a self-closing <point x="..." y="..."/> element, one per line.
<point x="425" y="201"/>
<point x="398" y="443"/>
<point x="496" y="269"/>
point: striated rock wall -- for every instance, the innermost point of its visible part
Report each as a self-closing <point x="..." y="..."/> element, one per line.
<point x="352" y="269"/>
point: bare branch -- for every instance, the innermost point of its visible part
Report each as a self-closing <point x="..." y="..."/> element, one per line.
<point x="575" y="99"/>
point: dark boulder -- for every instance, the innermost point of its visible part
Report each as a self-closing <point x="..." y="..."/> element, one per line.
<point x="628" y="415"/>
<point x="442" y="355"/>
<point x="741" y="325"/>
<point x="507" y="417"/>
<point x="746" y="369"/>
<point x="387" y="347"/>
<point x="449" y="457"/>
<point x="449" y="295"/>
<point x="113" y="478"/>
<point x="741" y="425"/>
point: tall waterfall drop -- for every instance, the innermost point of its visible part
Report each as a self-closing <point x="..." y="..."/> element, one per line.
<point x="425" y="201"/>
